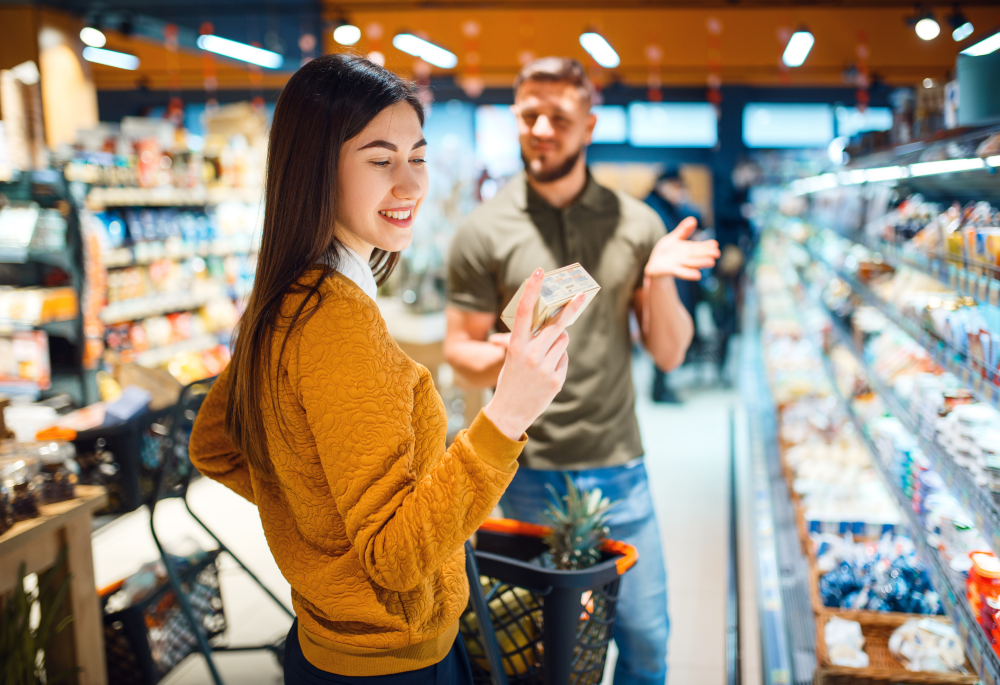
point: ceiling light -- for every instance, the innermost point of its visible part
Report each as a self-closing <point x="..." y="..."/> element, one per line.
<point x="928" y="28"/>
<point x="111" y="58"/>
<point x="928" y="83"/>
<point x="798" y="48"/>
<point x="240" y="51"/>
<point x="984" y="47"/>
<point x="347" y="34"/>
<point x="962" y="31"/>
<point x="425" y="50"/>
<point x="946" y="166"/>
<point x="600" y="49"/>
<point x="961" y="27"/>
<point x="92" y="37"/>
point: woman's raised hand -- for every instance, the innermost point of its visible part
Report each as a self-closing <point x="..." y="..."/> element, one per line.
<point x="535" y="368"/>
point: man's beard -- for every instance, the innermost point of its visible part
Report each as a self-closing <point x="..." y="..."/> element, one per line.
<point x="561" y="171"/>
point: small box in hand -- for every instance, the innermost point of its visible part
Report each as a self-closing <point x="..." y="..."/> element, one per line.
<point x="558" y="288"/>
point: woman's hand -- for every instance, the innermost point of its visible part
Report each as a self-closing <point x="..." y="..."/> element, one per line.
<point x="535" y="368"/>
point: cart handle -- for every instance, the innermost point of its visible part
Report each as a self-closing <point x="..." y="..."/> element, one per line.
<point x="628" y="554"/>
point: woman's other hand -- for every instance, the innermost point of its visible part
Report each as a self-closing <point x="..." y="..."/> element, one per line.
<point x="535" y="368"/>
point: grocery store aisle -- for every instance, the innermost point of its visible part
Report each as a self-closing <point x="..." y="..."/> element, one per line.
<point x="687" y="458"/>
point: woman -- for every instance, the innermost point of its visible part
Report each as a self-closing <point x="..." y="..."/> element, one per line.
<point x="322" y="421"/>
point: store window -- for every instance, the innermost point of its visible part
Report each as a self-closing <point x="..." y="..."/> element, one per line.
<point x="498" y="148"/>
<point x="787" y="126"/>
<point x="612" y="124"/>
<point x="672" y="124"/>
<point x="852" y="121"/>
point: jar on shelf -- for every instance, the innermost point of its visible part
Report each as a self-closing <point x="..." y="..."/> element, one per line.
<point x="17" y="473"/>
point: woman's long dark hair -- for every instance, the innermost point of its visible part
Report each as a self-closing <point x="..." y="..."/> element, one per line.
<point x="324" y="104"/>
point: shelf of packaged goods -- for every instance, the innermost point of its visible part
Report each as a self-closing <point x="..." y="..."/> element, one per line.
<point x="971" y="278"/>
<point x="98" y="198"/>
<point x="949" y="586"/>
<point x="126" y="257"/>
<point x="162" y="355"/>
<point x="960" y="482"/>
<point x="139" y="308"/>
<point x="981" y="381"/>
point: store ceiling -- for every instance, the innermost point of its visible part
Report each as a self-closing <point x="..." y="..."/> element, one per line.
<point x="748" y="49"/>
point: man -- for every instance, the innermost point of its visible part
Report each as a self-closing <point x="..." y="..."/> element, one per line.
<point x="670" y="199"/>
<point x="552" y="215"/>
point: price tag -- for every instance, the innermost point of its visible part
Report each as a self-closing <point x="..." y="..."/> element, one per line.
<point x="952" y="277"/>
<point x="982" y="289"/>
<point x="963" y="279"/>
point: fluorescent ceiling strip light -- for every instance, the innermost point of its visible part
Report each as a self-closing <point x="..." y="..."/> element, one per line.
<point x="946" y="166"/>
<point x="600" y="49"/>
<point x="886" y="173"/>
<point x="984" y="47"/>
<point x="993" y="161"/>
<point x="962" y="32"/>
<point x="798" y="48"/>
<point x="241" y="51"/>
<point x="425" y="50"/>
<point x="110" y="58"/>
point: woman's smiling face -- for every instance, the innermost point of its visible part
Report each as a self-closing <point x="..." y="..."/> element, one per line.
<point x="383" y="180"/>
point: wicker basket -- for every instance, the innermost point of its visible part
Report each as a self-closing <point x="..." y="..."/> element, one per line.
<point x="883" y="668"/>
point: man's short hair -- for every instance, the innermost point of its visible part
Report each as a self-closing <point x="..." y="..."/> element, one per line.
<point x="556" y="70"/>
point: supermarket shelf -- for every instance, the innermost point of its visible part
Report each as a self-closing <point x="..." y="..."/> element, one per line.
<point x="61" y="329"/>
<point x="144" y="307"/>
<point x="98" y="198"/>
<point x="980" y="380"/>
<point x="125" y="257"/>
<point x="950" y="587"/>
<point x="972" y="278"/>
<point x="977" y="500"/>
<point x="162" y="355"/>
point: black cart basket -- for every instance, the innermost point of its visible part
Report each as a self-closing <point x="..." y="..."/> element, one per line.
<point x="552" y="627"/>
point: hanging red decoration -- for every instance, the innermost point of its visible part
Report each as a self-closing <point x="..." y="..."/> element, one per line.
<point x="784" y="71"/>
<point x="654" y="85"/>
<point x="471" y="80"/>
<point x="714" y="79"/>
<point x="373" y="32"/>
<point x="863" y="80"/>
<point x="526" y="38"/>
<point x="208" y="71"/>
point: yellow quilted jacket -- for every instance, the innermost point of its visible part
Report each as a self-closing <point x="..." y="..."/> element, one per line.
<point x="368" y="513"/>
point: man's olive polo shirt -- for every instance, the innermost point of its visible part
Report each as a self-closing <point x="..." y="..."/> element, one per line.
<point x="592" y="422"/>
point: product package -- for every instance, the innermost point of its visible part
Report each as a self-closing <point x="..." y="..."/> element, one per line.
<point x="558" y="288"/>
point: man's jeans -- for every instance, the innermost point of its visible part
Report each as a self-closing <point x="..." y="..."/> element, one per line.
<point x="641" y="624"/>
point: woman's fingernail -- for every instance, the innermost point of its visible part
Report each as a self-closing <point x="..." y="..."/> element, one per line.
<point x="538" y="272"/>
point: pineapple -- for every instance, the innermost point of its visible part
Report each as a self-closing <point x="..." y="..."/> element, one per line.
<point x="578" y="526"/>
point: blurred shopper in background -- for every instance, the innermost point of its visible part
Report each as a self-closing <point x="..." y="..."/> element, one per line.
<point x="552" y="215"/>
<point x="671" y="200"/>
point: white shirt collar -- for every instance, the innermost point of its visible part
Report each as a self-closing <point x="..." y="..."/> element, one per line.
<point x="357" y="269"/>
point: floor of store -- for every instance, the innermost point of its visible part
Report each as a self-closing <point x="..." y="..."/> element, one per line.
<point x="687" y="447"/>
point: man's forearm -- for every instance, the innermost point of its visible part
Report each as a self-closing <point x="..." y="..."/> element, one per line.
<point x="667" y="327"/>
<point x="479" y="363"/>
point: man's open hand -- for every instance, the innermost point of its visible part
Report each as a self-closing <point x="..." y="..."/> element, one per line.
<point x="676" y="255"/>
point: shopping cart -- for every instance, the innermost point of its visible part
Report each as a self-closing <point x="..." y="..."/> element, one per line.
<point x="172" y="480"/>
<point x="545" y="625"/>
